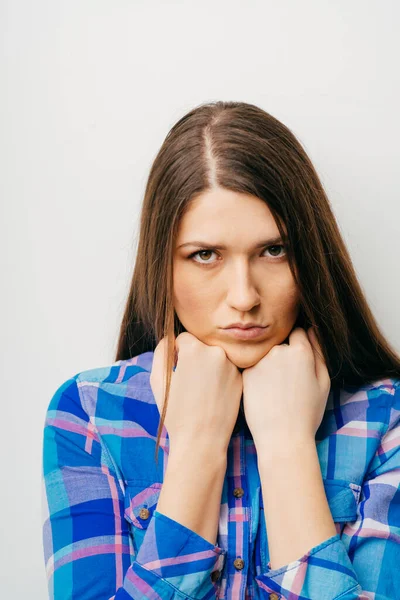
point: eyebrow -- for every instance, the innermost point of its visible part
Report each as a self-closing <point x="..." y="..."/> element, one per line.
<point x="270" y="242"/>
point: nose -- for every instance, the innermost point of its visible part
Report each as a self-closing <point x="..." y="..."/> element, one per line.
<point x="242" y="291"/>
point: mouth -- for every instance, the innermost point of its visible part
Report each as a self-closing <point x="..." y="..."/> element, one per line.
<point x="245" y="334"/>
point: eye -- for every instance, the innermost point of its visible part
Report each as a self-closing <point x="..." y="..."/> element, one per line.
<point x="209" y="251"/>
<point x="201" y="252"/>
<point x="276" y="246"/>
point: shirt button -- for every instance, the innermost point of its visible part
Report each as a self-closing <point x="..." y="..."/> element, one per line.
<point x="238" y="563"/>
<point x="273" y="596"/>
<point x="215" y="575"/>
<point x="144" y="513"/>
<point x="238" y="492"/>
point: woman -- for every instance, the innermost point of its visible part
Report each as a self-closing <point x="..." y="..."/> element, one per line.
<point x="280" y="454"/>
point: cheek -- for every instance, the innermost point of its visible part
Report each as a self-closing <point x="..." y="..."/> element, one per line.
<point x="189" y="294"/>
<point x="283" y="298"/>
<point x="292" y="297"/>
<point x="185" y="297"/>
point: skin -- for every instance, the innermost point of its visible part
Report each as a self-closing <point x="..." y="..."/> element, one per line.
<point x="218" y="287"/>
<point x="280" y="380"/>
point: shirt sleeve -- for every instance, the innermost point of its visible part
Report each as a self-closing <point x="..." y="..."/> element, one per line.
<point x="363" y="561"/>
<point x="88" y="550"/>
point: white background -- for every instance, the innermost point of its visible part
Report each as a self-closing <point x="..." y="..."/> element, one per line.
<point x="89" y="90"/>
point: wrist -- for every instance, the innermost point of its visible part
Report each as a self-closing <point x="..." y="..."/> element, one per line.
<point x="195" y="455"/>
<point x="284" y="448"/>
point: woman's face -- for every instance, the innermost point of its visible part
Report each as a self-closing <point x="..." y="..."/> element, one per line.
<point x="244" y="281"/>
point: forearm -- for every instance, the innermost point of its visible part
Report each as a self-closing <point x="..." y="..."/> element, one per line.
<point x="192" y="489"/>
<point x="296" y="510"/>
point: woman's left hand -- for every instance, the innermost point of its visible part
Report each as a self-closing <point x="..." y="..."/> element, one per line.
<point x="285" y="393"/>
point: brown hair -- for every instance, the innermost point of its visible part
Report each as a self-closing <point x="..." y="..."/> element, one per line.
<point x="240" y="147"/>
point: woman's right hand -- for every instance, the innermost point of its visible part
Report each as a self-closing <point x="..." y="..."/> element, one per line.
<point x="204" y="398"/>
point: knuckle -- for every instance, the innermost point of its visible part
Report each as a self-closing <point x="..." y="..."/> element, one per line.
<point x="275" y="350"/>
<point x="186" y="338"/>
<point x="186" y="344"/>
<point x="219" y="352"/>
<point x="304" y="351"/>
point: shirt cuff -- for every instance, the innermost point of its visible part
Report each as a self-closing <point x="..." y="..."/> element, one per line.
<point x="179" y="557"/>
<point x="324" y="572"/>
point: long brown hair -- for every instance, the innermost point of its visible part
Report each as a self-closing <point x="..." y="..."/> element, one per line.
<point x="240" y="147"/>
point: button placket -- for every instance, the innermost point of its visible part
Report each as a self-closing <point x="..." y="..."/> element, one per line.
<point x="237" y="483"/>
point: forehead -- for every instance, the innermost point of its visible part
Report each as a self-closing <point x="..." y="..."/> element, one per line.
<point x="227" y="217"/>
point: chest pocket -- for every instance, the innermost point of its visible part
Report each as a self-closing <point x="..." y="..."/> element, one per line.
<point x="141" y="498"/>
<point x="342" y="496"/>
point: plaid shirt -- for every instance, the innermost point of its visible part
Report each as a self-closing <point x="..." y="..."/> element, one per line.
<point x="104" y="539"/>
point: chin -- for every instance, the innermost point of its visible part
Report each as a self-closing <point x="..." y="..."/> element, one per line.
<point x="243" y="355"/>
<point x="245" y="358"/>
<point x="241" y="365"/>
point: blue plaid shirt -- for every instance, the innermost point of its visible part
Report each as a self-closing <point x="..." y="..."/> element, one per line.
<point x="104" y="538"/>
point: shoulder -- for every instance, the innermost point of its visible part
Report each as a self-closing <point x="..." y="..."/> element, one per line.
<point x="370" y="402"/>
<point x="87" y="390"/>
<point x="107" y="412"/>
<point x="121" y="371"/>
<point x="357" y="416"/>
